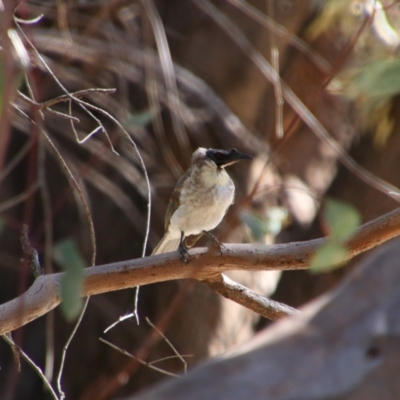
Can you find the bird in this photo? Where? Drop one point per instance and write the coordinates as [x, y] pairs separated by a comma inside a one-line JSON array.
[[200, 200]]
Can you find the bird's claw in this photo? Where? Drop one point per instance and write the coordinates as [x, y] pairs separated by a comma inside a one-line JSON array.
[[220, 246], [215, 242], [185, 256]]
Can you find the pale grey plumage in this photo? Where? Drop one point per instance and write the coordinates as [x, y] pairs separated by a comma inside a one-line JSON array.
[[201, 197]]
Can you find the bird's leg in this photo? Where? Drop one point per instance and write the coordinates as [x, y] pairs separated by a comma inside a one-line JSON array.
[[183, 250], [215, 241]]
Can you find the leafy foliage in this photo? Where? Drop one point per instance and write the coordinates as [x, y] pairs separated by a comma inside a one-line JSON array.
[[381, 78], [372, 87], [370, 78]]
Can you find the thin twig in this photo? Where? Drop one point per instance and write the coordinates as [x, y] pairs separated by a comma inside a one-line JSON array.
[[108, 115], [23, 113], [66, 347], [279, 102], [84, 105], [64, 89], [277, 82], [282, 32], [9, 81], [168, 72], [48, 246], [120, 319], [79, 191], [112, 384], [169, 344], [331, 73], [29, 21], [169, 358], [5, 205], [63, 98], [133, 143], [62, 115], [15, 160], [149, 365], [152, 91], [8, 339], [77, 94], [93, 243]]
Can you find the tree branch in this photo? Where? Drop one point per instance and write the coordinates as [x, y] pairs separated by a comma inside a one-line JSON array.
[[246, 297], [205, 265]]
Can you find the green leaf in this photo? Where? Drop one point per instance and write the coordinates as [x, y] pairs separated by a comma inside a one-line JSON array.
[[328, 256], [378, 79], [139, 119], [260, 226], [255, 224], [275, 220], [342, 219], [67, 255]]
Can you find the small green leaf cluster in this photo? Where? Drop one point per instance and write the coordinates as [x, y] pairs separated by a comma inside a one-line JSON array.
[[342, 220], [67, 255], [271, 223]]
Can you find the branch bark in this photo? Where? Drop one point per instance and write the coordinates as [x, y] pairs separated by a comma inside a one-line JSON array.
[[240, 294], [205, 266]]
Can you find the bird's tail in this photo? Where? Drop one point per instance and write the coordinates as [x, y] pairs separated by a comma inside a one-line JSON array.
[[166, 245]]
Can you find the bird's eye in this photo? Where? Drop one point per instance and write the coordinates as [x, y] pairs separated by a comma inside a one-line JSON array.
[[219, 156]]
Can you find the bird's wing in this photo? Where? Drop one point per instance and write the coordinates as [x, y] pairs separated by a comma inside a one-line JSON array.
[[174, 199], [166, 245]]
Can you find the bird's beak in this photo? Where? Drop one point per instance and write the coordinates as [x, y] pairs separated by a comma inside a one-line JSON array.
[[235, 156]]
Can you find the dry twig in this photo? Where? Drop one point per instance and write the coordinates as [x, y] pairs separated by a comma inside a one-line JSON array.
[[16, 349], [170, 345], [149, 365]]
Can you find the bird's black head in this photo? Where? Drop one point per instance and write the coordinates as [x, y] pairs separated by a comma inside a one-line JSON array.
[[223, 158]]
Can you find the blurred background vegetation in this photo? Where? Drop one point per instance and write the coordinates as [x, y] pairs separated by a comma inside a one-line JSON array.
[[181, 82]]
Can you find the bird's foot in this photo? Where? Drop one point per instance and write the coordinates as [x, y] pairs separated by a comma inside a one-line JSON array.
[[185, 256], [215, 241]]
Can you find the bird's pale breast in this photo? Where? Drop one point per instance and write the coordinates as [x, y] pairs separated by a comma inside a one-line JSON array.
[[204, 199]]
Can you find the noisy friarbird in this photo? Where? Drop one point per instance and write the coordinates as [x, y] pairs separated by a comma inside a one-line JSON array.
[[200, 199]]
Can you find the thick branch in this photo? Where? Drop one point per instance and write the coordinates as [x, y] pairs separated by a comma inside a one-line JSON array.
[[43, 295]]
